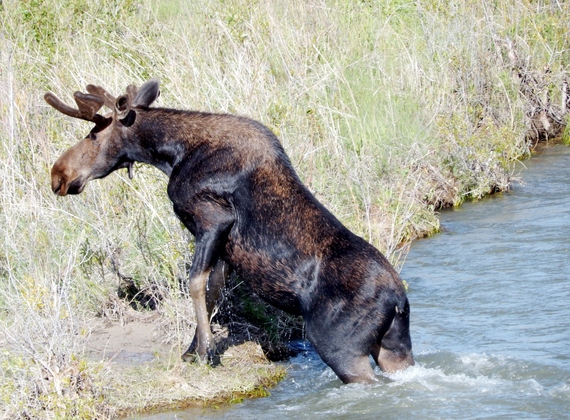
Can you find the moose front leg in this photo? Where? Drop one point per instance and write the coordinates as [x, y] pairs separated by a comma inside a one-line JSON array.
[[216, 283], [210, 224], [205, 346]]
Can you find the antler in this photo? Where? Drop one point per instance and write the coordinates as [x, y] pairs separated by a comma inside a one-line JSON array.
[[109, 100], [132, 91], [87, 104], [90, 103]]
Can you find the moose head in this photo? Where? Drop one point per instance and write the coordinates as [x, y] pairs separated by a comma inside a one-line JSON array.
[[104, 149]]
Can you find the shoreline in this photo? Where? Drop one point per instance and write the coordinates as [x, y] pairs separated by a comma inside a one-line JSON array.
[[136, 362]]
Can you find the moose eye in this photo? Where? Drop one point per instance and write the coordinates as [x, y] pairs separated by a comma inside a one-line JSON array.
[[92, 136]]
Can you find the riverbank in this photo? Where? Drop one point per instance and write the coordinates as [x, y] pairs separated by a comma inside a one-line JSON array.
[[148, 375], [388, 112]]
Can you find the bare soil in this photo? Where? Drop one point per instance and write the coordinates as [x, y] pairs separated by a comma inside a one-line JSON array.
[[132, 341]]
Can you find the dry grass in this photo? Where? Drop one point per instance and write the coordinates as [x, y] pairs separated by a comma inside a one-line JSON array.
[[389, 110]]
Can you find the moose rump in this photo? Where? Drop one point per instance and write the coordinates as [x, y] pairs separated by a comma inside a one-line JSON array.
[[234, 188]]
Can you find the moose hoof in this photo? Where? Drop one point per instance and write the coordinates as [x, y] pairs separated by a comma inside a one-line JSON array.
[[211, 358]]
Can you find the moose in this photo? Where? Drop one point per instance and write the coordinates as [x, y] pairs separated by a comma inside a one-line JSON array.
[[233, 186]]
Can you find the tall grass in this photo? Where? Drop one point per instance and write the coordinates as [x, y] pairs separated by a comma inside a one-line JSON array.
[[389, 110]]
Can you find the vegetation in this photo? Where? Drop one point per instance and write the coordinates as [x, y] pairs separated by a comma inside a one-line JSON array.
[[388, 109]]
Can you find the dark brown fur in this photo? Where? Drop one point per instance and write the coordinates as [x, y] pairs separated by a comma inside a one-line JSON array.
[[234, 188]]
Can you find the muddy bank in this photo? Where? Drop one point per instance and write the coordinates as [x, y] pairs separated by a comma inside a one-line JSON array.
[[144, 373]]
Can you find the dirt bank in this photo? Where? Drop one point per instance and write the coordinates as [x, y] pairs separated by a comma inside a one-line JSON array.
[[145, 372]]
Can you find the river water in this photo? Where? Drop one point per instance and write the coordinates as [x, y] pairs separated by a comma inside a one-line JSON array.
[[490, 299]]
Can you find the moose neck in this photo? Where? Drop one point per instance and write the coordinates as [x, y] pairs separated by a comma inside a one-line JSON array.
[[159, 138]]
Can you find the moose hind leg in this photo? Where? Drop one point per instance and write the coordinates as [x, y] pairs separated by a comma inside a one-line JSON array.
[[393, 351], [351, 368], [342, 350]]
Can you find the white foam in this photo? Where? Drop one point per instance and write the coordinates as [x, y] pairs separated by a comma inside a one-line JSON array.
[[435, 378], [439, 371], [561, 391]]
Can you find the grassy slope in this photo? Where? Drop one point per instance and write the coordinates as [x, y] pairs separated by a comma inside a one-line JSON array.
[[388, 110]]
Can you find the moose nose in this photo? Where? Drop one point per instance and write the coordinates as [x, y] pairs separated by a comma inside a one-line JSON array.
[[56, 184]]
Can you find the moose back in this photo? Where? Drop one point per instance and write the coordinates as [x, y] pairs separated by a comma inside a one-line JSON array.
[[234, 188]]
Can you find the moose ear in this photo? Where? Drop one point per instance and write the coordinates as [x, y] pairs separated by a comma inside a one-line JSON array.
[[122, 106], [147, 93]]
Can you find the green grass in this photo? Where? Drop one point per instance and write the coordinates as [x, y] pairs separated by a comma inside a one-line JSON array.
[[387, 109]]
